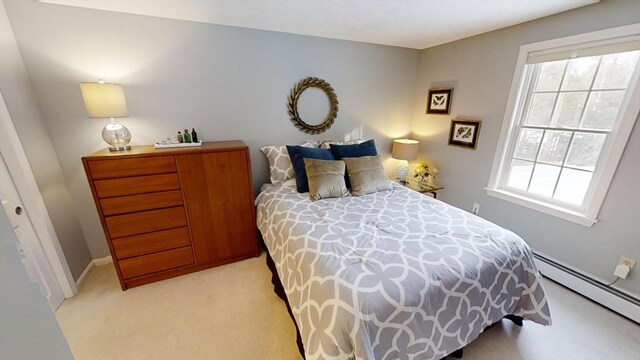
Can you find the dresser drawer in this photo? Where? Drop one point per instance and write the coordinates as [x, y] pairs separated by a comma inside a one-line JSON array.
[[133, 203], [117, 168], [149, 264], [136, 185], [152, 242], [145, 222]]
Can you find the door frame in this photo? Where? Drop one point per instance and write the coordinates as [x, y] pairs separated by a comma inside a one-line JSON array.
[[18, 165], [28, 245]]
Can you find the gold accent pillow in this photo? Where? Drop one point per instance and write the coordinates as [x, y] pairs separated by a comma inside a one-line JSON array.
[[326, 178], [366, 175]]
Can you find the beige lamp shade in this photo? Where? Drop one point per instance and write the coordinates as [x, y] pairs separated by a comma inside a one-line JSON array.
[[405, 149], [104, 100]]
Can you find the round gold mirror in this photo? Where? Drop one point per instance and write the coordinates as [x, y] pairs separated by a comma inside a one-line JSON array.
[[296, 96]]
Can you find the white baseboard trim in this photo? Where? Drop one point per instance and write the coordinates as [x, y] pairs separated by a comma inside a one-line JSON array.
[[92, 265], [85, 274], [103, 261], [589, 289]]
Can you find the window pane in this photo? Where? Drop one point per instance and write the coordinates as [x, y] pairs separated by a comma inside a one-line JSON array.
[[554, 146], [568, 109], [573, 186], [602, 109], [585, 150], [550, 76], [520, 174], [528, 143], [540, 109], [580, 73], [616, 70], [544, 180]]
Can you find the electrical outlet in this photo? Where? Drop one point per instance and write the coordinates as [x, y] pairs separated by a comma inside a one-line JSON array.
[[627, 261], [476, 208]]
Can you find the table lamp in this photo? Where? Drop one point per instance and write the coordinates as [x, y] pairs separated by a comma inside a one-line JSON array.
[[404, 150], [107, 101]]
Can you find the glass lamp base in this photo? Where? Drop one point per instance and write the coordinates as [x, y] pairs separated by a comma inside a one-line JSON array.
[[117, 136], [119, 148]]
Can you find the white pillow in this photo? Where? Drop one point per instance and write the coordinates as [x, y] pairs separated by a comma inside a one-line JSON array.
[[290, 183], [280, 167], [327, 143], [311, 143]]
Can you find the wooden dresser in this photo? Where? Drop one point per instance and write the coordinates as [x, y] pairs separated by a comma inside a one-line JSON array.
[[168, 212]]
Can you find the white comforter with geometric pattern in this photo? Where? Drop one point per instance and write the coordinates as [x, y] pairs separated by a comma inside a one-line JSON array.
[[394, 274]]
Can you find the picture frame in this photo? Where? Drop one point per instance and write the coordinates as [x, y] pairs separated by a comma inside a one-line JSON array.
[[464, 133], [439, 101]]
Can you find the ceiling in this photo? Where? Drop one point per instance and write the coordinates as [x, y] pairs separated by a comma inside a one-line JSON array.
[[416, 24]]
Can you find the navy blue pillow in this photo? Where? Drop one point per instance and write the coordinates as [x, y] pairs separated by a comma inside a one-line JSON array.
[[297, 155], [367, 148]]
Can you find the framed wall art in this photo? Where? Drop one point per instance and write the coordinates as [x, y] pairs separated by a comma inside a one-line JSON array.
[[439, 101], [464, 133], [292, 105]]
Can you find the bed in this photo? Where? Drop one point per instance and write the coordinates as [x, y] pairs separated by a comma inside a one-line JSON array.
[[394, 274]]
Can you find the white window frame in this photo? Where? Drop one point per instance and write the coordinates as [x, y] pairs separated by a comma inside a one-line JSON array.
[[611, 153]]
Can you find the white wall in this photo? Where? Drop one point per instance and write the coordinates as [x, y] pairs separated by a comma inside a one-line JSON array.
[[228, 83], [481, 69], [28, 330], [28, 121]]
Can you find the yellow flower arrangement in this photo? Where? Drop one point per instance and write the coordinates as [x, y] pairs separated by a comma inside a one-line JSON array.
[[425, 171]]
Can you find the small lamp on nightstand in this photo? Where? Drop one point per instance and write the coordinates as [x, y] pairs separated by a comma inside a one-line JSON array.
[[107, 101], [404, 150]]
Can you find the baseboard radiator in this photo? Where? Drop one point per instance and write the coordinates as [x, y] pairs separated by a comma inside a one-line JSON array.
[[619, 301]]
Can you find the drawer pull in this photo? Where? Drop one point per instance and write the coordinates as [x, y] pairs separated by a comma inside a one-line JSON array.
[[145, 222], [136, 245], [133, 203], [109, 169], [136, 185], [149, 264]]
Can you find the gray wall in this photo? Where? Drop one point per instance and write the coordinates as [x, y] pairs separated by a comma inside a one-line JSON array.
[[28, 329], [481, 70], [228, 83], [232, 83], [23, 107]]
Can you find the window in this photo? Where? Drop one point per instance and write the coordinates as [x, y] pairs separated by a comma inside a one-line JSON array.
[[572, 108]]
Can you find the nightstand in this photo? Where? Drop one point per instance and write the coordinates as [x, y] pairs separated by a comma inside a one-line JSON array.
[[423, 188]]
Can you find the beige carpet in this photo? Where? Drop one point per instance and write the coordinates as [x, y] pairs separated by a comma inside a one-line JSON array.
[[231, 312]]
